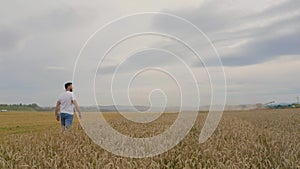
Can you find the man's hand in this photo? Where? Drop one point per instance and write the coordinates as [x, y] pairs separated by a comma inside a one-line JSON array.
[[57, 117], [79, 114]]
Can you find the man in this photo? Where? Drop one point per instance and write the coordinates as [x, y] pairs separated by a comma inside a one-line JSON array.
[[65, 105]]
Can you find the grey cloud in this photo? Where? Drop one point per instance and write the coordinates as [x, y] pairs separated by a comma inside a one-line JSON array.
[[40, 40], [55, 19], [261, 51], [282, 8], [43, 44], [148, 58], [9, 39], [15, 35], [209, 18], [35, 36], [265, 40]]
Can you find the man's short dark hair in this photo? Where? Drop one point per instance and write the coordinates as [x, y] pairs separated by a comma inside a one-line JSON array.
[[67, 85]]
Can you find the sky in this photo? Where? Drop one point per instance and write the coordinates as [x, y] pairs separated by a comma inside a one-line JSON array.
[[257, 42]]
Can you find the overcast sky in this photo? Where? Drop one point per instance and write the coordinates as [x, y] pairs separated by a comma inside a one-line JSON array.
[[258, 43]]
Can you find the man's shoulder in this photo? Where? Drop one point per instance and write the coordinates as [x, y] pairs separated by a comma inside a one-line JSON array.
[[66, 93]]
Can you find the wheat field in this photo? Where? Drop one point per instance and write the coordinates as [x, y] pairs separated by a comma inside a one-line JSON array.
[[243, 139]]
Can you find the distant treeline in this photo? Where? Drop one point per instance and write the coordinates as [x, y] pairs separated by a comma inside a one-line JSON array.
[[24, 107], [36, 107]]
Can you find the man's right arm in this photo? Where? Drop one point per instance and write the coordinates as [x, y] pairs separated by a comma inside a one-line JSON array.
[[57, 110]]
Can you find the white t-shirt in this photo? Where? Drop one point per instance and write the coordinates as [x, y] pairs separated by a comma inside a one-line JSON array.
[[66, 104]]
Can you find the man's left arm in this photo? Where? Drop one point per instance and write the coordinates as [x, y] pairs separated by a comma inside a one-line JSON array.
[[77, 108]]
